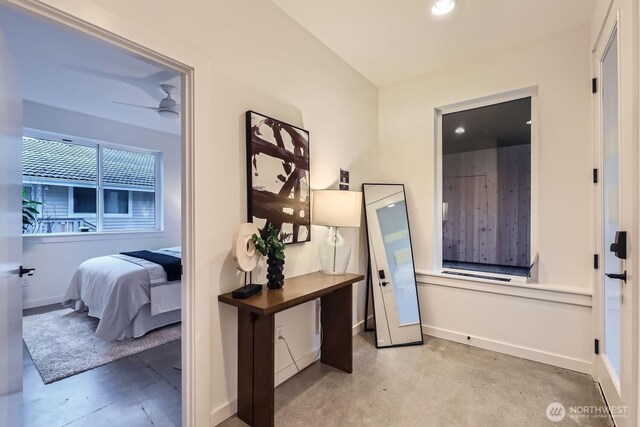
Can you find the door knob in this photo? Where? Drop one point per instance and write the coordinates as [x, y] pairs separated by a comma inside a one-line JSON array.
[[384, 283], [618, 276], [28, 271]]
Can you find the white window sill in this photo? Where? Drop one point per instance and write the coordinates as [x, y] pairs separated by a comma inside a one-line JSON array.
[[555, 293], [513, 280], [92, 236]]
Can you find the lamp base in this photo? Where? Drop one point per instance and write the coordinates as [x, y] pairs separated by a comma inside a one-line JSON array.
[[334, 253], [246, 291]]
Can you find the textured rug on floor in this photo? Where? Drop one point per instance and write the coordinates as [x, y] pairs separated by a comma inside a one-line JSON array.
[[63, 343]]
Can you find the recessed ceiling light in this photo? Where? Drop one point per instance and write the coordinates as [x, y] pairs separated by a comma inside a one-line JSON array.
[[442, 7], [459, 130], [529, 122]]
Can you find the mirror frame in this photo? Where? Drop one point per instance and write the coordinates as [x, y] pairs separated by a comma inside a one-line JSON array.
[[370, 272]]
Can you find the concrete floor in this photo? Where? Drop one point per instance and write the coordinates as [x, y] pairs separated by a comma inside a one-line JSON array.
[[136, 391], [439, 384]]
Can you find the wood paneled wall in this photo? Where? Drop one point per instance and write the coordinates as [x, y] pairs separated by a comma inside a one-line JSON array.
[[487, 194]]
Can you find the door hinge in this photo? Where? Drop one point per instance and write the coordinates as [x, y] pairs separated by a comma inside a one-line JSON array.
[[596, 261], [596, 346], [594, 85], [595, 175]]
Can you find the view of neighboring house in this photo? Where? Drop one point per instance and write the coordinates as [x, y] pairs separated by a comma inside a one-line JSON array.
[[87, 188]]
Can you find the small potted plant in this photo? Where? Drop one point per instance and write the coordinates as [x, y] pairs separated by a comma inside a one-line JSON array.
[[272, 246], [29, 212]]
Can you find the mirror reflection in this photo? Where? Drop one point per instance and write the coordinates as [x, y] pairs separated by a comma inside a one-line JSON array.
[[395, 298]]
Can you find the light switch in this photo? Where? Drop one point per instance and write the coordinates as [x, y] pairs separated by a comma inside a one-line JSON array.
[[344, 179]]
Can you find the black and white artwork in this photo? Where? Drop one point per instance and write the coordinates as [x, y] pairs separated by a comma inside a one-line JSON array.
[[278, 177]]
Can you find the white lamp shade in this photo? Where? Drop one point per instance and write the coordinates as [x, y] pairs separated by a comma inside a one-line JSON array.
[[337, 208]]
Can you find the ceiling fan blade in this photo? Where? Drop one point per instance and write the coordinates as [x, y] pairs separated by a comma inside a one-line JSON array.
[[135, 105]]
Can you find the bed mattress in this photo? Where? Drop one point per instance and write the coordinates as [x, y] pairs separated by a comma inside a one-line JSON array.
[[120, 294]]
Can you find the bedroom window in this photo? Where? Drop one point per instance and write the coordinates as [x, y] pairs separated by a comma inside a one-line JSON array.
[[486, 188], [91, 187]]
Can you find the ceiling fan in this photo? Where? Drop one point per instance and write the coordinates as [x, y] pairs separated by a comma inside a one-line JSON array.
[[168, 107]]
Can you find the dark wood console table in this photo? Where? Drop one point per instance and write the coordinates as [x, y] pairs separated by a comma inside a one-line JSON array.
[[256, 340]]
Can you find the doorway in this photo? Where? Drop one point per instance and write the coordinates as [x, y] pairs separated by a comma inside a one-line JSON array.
[[10, 241]]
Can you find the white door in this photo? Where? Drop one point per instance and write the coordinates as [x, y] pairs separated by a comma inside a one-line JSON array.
[[393, 271], [10, 242], [613, 295]]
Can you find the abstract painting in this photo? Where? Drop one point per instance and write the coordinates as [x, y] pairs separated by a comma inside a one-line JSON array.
[[278, 192]]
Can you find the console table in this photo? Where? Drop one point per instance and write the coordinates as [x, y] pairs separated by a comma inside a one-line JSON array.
[[256, 335]]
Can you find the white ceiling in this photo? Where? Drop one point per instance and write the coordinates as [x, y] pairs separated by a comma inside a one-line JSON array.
[[74, 72], [391, 40]]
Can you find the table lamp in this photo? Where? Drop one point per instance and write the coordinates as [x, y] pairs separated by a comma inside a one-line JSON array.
[[335, 209]]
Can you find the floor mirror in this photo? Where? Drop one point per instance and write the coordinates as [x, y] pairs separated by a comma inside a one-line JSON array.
[[392, 276]]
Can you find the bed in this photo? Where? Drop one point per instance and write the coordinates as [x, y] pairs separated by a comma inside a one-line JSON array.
[[130, 296]]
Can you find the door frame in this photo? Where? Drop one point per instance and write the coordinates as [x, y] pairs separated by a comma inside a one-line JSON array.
[[619, 16], [95, 22]]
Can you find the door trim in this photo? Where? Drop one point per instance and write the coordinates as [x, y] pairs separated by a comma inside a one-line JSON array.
[[126, 35]]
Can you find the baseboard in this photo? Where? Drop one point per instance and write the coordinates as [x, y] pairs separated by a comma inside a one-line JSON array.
[[359, 327], [512, 349], [43, 301], [223, 412]]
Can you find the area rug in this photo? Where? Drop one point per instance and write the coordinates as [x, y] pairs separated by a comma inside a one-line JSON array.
[[63, 343]]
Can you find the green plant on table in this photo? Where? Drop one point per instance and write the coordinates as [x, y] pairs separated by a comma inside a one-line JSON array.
[[272, 244]]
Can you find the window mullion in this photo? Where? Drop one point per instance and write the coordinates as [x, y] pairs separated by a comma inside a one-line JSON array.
[[100, 192]]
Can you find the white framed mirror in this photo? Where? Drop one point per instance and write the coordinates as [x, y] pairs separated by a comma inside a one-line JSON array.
[[396, 307]]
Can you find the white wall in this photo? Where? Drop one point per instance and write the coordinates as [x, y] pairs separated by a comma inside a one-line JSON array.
[[560, 68], [56, 258], [250, 55]]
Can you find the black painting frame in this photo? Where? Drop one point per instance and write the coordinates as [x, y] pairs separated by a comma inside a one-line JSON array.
[[251, 203], [371, 273]]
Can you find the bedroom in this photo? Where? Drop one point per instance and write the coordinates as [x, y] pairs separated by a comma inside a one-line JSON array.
[[100, 176]]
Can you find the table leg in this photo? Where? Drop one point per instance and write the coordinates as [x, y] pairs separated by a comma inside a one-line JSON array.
[[245, 366], [263, 370], [336, 317], [255, 368]]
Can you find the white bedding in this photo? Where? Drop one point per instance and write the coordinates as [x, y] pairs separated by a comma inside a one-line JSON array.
[[115, 290]]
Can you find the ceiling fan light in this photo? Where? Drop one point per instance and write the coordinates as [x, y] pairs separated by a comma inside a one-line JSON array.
[[168, 114]]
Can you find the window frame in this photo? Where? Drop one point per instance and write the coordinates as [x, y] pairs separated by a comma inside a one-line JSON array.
[[100, 187], [484, 101]]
